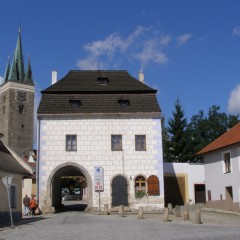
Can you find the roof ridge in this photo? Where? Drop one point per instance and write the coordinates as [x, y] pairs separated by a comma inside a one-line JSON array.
[[231, 136]]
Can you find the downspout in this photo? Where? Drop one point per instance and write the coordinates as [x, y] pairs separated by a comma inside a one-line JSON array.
[[38, 158]]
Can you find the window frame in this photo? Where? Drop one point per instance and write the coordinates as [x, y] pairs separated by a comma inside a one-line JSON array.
[[116, 144], [72, 147], [227, 163], [140, 184], [140, 144]]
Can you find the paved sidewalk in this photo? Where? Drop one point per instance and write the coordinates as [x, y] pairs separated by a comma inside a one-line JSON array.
[[79, 225]]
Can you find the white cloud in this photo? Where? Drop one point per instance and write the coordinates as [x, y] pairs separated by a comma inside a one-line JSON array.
[[236, 31], [234, 101], [182, 39], [143, 44], [90, 63], [152, 51]]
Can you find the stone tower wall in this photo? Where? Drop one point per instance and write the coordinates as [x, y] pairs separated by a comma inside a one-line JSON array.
[[16, 116]]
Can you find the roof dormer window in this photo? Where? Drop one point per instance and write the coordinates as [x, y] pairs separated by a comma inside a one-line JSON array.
[[124, 103], [103, 80], [75, 104]]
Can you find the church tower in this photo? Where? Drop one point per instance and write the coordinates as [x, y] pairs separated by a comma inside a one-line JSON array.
[[17, 103]]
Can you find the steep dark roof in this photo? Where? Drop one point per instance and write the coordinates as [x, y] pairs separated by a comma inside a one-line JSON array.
[[8, 163], [87, 82], [84, 87], [232, 136]]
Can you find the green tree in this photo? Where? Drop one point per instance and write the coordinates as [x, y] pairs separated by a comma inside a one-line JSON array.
[[205, 129], [177, 144]]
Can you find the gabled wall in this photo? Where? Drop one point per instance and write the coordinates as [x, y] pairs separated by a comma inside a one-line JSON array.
[[217, 180]]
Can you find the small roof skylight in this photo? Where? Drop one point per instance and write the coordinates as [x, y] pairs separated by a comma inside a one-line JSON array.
[[103, 80], [75, 104], [124, 102]]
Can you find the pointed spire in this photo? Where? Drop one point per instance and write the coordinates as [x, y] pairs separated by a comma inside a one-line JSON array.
[[28, 75], [13, 70], [7, 71], [19, 57], [17, 68]]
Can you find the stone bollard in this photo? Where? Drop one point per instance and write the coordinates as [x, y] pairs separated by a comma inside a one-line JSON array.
[[186, 213], [170, 208], [121, 211], [140, 213], [105, 209], [177, 211], [198, 216], [166, 215]]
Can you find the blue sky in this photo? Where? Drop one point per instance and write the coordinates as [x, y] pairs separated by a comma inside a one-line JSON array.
[[187, 48]]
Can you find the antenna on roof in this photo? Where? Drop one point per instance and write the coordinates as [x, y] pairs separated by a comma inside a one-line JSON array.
[[98, 65]]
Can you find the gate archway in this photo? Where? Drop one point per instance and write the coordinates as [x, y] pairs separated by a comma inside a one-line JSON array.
[[119, 191], [56, 178]]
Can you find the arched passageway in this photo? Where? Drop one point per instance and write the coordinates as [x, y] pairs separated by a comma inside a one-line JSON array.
[[70, 188]]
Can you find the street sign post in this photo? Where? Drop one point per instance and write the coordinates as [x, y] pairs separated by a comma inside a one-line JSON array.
[[98, 182], [7, 180], [98, 179]]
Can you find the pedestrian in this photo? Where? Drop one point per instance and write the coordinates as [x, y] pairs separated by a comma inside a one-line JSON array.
[[33, 205], [26, 203]]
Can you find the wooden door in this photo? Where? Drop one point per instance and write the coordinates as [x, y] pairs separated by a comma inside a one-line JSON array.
[[119, 191]]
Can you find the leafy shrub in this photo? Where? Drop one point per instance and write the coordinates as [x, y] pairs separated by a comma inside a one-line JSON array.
[[140, 194]]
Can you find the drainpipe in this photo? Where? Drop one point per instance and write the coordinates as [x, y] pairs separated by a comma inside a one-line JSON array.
[[38, 158]]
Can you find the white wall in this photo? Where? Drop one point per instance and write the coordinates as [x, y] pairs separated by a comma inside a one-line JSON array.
[[194, 171], [94, 149], [216, 179]]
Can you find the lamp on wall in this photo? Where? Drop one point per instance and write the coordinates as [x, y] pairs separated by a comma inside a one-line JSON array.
[[130, 177]]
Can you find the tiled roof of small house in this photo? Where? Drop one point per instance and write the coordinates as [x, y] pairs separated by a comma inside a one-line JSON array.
[[9, 163], [232, 136], [94, 96]]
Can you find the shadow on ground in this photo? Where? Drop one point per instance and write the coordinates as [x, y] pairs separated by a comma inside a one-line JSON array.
[[72, 207], [25, 220]]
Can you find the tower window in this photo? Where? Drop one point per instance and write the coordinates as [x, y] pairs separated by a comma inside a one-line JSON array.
[[22, 96], [20, 108]]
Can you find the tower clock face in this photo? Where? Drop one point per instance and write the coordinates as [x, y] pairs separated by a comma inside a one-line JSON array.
[[22, 96]]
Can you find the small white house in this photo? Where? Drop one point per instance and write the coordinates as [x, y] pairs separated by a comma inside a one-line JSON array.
[[222, 170], [14, 168], [104, 128], [184, 183]]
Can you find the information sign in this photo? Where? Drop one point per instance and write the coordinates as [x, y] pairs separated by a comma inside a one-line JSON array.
[[98, 179]]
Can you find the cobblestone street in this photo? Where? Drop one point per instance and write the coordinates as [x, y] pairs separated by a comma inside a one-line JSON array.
[[79, 225]]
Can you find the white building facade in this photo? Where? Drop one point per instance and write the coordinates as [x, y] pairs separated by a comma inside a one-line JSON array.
[[112, 123], [222, 170], [190, 179]]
